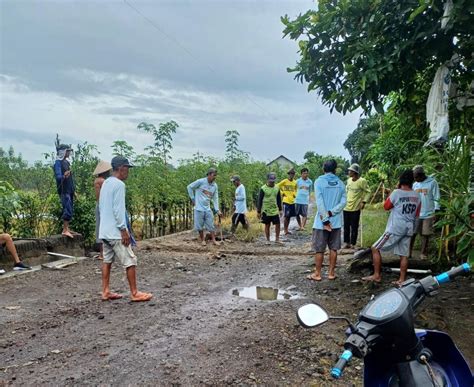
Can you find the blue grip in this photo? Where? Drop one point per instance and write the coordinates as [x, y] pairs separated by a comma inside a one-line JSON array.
[[448, 275], [336, 371]]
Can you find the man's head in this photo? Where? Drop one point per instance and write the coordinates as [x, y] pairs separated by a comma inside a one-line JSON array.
[[419, 173], [304, 173], [63, 151], [235, 180], [330, 166], [120, 167], [271, 178], [291, 174], [354, 170], [406, 178], [211, 175]]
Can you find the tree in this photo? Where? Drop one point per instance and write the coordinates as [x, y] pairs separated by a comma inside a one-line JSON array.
[[122, 148], [163, 144], [232, 151], [361, 139], [355, 53]]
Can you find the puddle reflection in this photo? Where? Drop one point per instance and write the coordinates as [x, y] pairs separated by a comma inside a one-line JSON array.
[[265, 293]]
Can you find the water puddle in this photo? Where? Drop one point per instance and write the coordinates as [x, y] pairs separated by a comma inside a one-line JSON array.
[[265, 294]]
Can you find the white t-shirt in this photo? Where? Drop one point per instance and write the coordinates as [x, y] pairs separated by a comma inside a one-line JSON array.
[[405, 208], [240, 200]]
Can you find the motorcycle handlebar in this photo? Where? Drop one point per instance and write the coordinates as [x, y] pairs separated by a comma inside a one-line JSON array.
[[336, 371], [454, 272]]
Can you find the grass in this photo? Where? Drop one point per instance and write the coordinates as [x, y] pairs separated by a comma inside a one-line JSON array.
[[372, 225], [254, 231]]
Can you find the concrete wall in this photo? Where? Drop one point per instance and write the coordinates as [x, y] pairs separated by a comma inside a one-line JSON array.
[[31, 249]]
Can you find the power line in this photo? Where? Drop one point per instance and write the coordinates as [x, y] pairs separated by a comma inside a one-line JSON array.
[[184, 48]]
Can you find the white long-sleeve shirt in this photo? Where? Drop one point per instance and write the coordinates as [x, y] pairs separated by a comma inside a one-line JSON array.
[[112, 209]]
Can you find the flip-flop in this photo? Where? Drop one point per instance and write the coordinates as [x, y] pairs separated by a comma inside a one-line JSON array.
[[312, 278], [142, 297], [67, 234], [396, 283], [332, 278], [112, 296]]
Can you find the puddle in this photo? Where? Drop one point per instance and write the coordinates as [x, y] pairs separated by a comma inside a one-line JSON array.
[[265, 294]]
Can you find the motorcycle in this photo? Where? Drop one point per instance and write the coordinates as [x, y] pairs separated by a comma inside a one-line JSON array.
[[394, 352]]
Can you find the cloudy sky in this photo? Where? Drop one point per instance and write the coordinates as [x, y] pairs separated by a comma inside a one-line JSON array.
[[93, 70]]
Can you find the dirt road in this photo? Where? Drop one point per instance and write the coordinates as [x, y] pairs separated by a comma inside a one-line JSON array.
[[55, 330]]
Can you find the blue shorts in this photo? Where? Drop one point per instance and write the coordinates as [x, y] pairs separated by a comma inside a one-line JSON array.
[[203, 220], [67, 202]]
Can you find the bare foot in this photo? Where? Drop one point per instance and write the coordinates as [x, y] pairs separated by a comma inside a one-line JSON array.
[[287, 233], [140, 297], [215, 243], [203, 243], [279, 242], [111, 296], [398, 283], [327, 227], [332, 277], [314, 277], [372, 278], [68, 234]]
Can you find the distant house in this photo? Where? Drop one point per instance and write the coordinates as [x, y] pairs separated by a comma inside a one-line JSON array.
[[282, 162]]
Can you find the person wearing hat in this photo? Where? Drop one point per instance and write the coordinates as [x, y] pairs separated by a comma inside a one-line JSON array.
[[240, 205], [269, 207], [330, 199], [65, 186], [357, 191], [202, 192], [428, 189], [101, 172], [288, 188], [114, 233]]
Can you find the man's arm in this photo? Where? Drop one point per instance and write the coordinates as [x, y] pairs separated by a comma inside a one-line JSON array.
[[436, 195], [261, 195], [342, 203], [215, 200], [118, 207], [388, 205], [320, 201], [57, 171], [192, 188], [280, 207]]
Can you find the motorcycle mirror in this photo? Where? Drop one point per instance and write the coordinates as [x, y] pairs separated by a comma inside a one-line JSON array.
[[312, 315]]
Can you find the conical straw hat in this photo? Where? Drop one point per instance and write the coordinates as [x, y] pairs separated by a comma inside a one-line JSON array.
[[102, 167]]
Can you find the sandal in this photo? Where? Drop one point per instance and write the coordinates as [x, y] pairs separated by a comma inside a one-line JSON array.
[[141, 297], [312, 277]]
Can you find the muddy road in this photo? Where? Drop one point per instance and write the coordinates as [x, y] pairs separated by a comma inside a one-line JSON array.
[[56, 330]]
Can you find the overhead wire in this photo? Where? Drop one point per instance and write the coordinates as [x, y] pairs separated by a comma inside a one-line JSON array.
[[185, 49]]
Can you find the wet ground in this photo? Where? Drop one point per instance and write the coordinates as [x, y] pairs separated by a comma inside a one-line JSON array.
[[196, 330]]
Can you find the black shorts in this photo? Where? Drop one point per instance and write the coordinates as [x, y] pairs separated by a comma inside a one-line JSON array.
[[274, 219], [239, 218], [289, 210]]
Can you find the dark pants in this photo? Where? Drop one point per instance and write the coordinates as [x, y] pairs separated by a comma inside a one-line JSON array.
[[351, 226], [67, 202]]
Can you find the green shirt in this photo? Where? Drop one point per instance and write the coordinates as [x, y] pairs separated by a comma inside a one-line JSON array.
[[357, 192], [270, 200]]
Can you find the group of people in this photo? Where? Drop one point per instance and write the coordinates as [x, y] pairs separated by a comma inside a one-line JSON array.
[[412, 207]]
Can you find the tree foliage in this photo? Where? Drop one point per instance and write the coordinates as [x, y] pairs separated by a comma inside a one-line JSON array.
[[355, 53], [163, 139]]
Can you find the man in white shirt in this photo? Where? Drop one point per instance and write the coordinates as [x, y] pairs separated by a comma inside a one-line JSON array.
[[240, 205], [114, 232]]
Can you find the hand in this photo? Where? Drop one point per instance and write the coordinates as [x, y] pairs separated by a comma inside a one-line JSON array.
[[125, 237], [219, 214], [281, 214], [67, 174], [259, 215], [362, 206], [194, 202]]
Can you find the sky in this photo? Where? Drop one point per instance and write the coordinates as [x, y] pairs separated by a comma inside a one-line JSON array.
[[93, 70]]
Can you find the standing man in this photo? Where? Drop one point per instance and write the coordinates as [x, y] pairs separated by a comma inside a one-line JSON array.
[[304, 186], [240, 205], [288, 193], [330, 200], [114, 233], [428, 189], [357, 191], [201, 192], [269, 207], [65, 186], [404, 206]]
